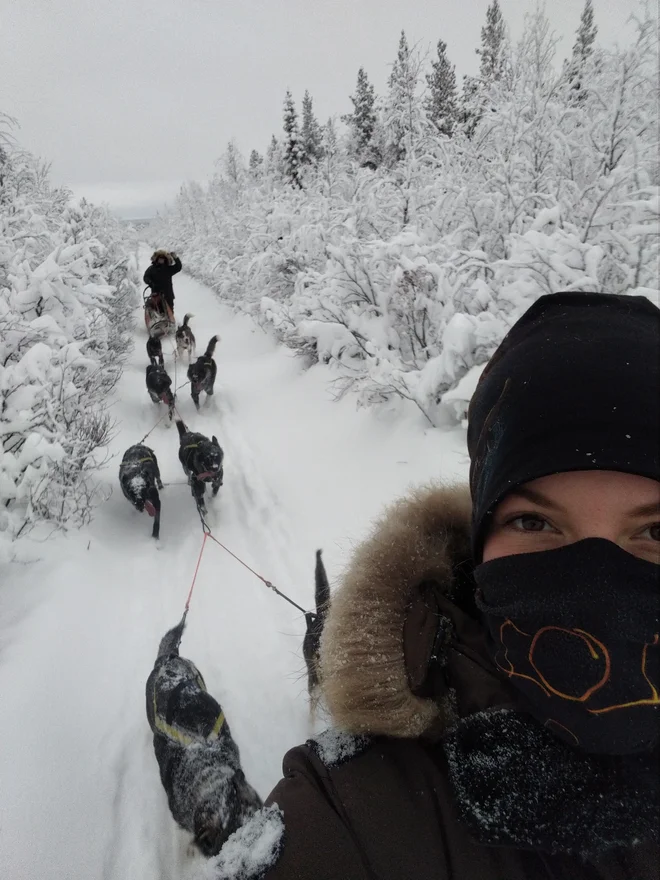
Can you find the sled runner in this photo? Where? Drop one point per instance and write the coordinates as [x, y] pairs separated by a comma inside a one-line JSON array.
[[158, 317]]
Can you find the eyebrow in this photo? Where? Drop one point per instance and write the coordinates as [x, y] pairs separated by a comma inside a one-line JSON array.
[[536, 497], [543, 501], [645, 509]]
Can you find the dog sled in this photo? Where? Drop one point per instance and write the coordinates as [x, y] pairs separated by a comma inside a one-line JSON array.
[[158, 316]]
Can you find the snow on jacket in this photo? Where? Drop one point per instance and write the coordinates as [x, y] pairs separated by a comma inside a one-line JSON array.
[[436, 774], [158, 276]]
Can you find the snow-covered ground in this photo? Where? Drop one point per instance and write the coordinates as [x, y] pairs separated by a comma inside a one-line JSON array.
[[81, 798]]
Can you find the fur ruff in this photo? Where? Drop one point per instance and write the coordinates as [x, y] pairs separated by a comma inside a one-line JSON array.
[[365, 681]]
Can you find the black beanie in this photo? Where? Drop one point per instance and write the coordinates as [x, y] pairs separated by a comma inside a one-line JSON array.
[[575, 385]]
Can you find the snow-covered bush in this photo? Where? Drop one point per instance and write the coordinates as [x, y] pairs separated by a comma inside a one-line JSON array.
[[67, 292], [405, 275]]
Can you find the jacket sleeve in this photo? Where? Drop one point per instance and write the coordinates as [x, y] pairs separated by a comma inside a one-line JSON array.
[[318, 842], [176, 266], [300, 834], [147, 276]]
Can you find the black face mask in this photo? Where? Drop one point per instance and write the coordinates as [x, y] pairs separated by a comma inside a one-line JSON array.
[[577, 630]]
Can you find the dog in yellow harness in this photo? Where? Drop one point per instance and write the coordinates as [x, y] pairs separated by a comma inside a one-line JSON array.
[[202, 461], [139, 478], [198, 759]]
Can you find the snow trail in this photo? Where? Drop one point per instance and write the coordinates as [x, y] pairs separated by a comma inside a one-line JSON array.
[[79, 629]]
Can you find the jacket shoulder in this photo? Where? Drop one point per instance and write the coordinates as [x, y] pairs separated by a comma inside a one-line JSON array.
[[360, 808]]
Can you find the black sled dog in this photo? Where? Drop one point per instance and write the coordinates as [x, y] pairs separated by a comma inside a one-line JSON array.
[[159, 386], [155, 351], [203, 372], [185, 339], [202, 461], [315, 622], [139, 477], [199, 761]]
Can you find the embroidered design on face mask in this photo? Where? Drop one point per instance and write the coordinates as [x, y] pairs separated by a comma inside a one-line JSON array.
[[597, 666]]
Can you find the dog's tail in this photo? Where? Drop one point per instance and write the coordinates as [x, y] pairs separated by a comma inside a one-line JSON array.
[[321, 586], [186, 318], [181, 428], [315, 622], [170, 642], [210, 348]]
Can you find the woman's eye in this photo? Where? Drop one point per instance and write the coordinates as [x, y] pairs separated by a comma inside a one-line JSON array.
[[530, 522], [651, 532]]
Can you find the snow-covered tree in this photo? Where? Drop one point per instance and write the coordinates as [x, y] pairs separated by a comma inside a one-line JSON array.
[[294, 153], [68, 288], [493, 67], [311, 133], [274, 162], [493, 46], [586, 35], [363, 120], [583, 48], [441, 101], [333, 165], [233, 165], [403, 115], [256, 163]]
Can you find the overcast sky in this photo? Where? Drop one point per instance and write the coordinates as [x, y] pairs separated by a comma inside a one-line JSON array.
[[128, 98]]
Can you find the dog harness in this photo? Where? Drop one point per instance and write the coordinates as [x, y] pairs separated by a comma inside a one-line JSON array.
[[184, 737], [126, 464], [205, 475]]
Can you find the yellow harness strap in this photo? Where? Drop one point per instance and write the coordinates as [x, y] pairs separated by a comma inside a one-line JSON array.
[[191, 446], [181, 736], [126, 464]]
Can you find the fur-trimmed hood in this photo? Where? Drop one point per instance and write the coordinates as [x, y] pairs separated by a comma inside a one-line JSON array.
[[161, 252], [403, 613]]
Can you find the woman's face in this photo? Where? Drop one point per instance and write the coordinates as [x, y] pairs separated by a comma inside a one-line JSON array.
[[553, 511]]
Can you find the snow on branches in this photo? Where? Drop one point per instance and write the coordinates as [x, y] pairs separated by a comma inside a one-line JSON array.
[[404, 272], [67, 288]]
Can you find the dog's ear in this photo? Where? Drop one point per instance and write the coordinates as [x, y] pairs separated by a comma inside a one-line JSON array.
[[215, 440]]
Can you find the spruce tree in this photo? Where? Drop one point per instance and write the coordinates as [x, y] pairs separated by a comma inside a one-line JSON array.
[[331, 158], [493, 46], [582, 49], [493, 66], [273, 163], [272, 150], [586, 35], [441, 105], [330, 139], [403, 111], [294, 153], [233, 163], [311, 131], [363, 119], [256, 163]]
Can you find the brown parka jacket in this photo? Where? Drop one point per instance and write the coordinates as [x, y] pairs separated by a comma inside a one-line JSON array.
[[432, 772]]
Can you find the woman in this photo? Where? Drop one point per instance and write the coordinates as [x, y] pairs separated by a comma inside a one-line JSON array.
[[494, 664], [158, 276]]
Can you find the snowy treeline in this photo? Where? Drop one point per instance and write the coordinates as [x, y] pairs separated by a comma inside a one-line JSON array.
[[67, 289], [399, 243]]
